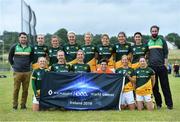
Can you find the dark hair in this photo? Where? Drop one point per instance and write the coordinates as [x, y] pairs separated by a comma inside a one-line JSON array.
[[154, 26], [22, 33], [122, 33], [137, 33], [104, 60], [104, 35]]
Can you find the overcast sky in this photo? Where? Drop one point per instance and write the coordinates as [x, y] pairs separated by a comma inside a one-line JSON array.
[[96, 16]]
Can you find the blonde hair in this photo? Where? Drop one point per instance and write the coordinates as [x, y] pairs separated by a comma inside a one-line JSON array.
[[124, 56], [55, 36], [88, 33], [80, 51], [71, 32], [42, 58]]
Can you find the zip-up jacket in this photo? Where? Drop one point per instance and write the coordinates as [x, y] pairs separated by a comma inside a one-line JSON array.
[[158, 51], [20, 58]]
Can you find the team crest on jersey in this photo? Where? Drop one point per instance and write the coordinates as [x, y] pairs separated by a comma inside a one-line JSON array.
[[134, 49], [67, 48], [110, 48], [143, 48], [137, 72], [92, 48], [129, 72], [75, 67], [126, 46], [45, 48], [38, 73], [35, 48], [85, 68], [83, 48], [50, 51], [147, 71], [66, 67], [57, 67], [117, 46], [100, 48], [77, 48]]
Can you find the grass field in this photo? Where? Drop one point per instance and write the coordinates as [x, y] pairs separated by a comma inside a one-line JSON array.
[[7, 114]]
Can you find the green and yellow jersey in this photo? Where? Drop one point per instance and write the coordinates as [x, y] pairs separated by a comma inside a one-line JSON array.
[[137, 52], [81, 68], [120, 50], [53, 54], [61, 68], [143, 81], [106, 52], [39, 51], [37, 76], [89, 56], [128, 86], [70, 53]]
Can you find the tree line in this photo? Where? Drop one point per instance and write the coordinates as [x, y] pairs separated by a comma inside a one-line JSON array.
[[10, 38]]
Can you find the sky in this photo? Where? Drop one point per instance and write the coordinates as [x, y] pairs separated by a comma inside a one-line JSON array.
[[95, 16]]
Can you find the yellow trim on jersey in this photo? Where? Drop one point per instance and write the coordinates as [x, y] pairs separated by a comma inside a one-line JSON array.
[[128, 87], [36, 66], [151, 47], [92, 64], [111, 63], [135, 65], [33, 78], [145, 89], [72, 62], [22, 53]]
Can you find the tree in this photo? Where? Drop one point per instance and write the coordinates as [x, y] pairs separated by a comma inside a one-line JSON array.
[[62, 33], [174, 38]]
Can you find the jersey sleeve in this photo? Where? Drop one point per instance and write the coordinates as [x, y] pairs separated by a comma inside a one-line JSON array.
[[34, 75]]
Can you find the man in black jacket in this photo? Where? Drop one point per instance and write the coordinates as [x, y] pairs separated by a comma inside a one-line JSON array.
[[158, 61], [20, 57]]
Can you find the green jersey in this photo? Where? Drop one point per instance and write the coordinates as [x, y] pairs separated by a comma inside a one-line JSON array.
[[121, 49], [39, 51], [127, 85], [53, 55], [89, 51], [70, 52], [81, 68], [143, 80], [104, 52], [60, 68], [37, 76], [138, 51]]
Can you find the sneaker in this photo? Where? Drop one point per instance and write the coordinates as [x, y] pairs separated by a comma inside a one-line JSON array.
[[23, 107], [14, 107], [159, 107], [169, 107]]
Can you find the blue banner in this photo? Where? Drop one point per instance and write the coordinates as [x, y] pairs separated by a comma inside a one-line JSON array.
[[81, 91]]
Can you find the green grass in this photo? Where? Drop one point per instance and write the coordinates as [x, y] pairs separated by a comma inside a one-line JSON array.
[[7, 114]]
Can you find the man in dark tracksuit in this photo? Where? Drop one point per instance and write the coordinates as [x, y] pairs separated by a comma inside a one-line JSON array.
[[20, 57], [158, 54]]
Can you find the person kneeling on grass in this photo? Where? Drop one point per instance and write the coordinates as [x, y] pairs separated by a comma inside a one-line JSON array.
[[127, 98], [104, 67], [145, 80], [36, 81]]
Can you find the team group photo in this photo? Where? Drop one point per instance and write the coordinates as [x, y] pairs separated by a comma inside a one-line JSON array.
[[96, 77]]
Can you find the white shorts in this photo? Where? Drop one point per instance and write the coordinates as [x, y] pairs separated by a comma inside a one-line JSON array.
[[145, 98], [127, 98], [35, 100]]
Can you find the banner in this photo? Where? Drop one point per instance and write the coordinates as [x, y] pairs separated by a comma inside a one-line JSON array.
[[81, 91]]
